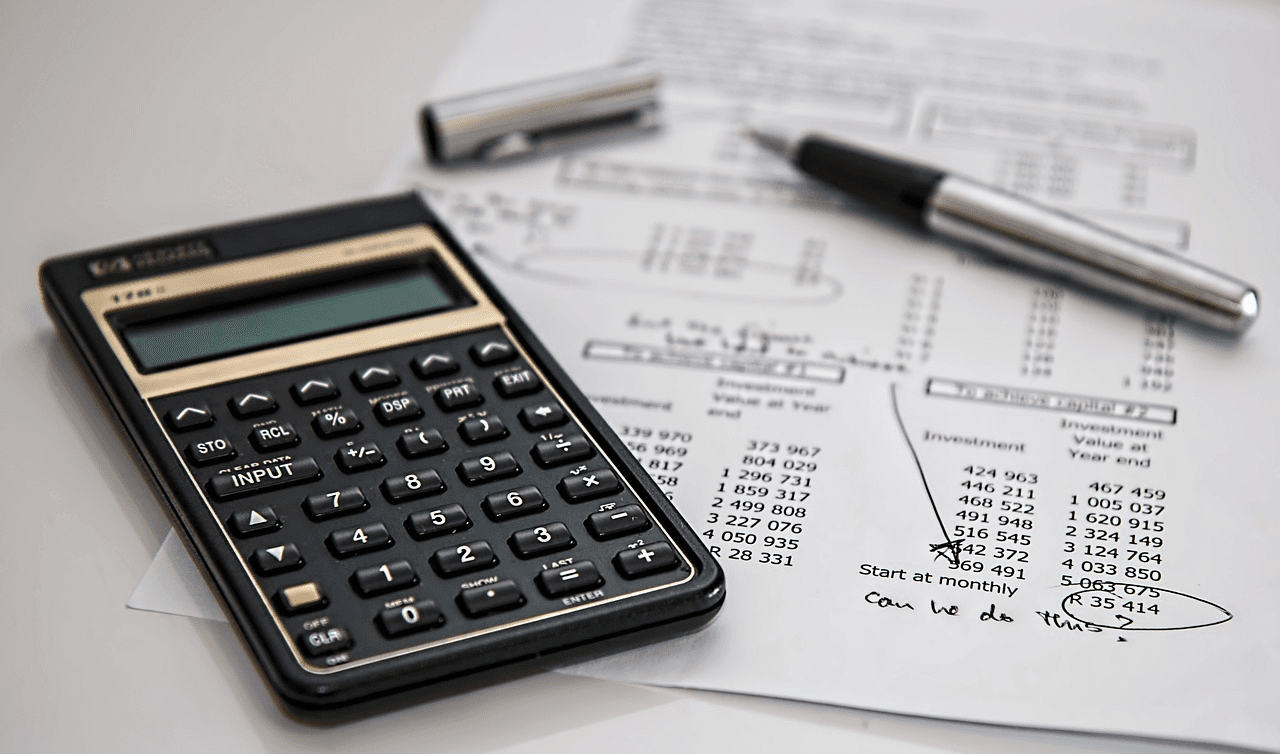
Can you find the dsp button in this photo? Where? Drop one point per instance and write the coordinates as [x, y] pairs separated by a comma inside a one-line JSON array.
[[211, 450], [617, 522], [588, 485], [324, 641], [274, 436], [635, 562], [521, 382], [577, 577], [564, 449], [395, 410], [462, 395], [253, 403], [188, 417], [249, 481]]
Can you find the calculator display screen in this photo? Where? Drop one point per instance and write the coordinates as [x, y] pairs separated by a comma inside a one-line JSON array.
[[247, 325]]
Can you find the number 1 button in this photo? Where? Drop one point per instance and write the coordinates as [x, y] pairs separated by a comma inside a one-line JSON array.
[[384, 578]]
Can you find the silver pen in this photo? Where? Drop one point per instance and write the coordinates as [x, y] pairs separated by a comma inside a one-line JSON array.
[[1021, 231]]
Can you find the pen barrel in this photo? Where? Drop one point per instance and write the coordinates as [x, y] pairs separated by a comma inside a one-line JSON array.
[[1029, 234]]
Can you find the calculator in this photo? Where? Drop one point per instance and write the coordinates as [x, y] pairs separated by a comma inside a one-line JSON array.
[[387, 479]]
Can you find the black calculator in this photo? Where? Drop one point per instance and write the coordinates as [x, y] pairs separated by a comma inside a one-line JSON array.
[[386, 477]]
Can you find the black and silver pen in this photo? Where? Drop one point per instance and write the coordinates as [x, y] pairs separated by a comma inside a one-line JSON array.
[[1022, 231]]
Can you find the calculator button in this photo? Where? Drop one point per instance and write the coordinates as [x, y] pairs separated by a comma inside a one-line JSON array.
[[562, 450], [589, 484], [540, 540], [464, 558], [335, 503], [314, 390], [396, 410], [486, 468], [336, 423], [251, 523], [211, 450], [253, 403], [300, 597], [265, 477], [190, 417], [324, 641], [375, 377], [384, 578], [518, 502], [568, 579], [437, 522], [482, 429], [434, 364], [355, 458], [411, 618], [501, 595], [618, 521], [412, 486], [542, 415], [276, 559], [462, 395], [273, 436], [512, 384], [492, 352], [424, 442], [635, 562], [358, 539]]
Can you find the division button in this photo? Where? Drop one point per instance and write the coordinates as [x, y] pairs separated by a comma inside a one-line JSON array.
[[411, 486], [447, 519], [211, 450], [480, 429], [253, 522], [518, 502], [300, 597], [635, 562], [276, 559], [618, 521], [190, 416], [358, 539], [542, 415], [461, 395], [492, 352], [396, 410], [480, 600], [375, 377], [314, 390], [539, 540], [274, 436], [252, 403], [430, 365], [521, 382], [265, 477], [353, 458], [324, 641], [589, 484], [335, 503], [407, 619], [472, 556], [577, 577], [384, 578], [485, 468], [419, 443], [336, 423], [564, 449]]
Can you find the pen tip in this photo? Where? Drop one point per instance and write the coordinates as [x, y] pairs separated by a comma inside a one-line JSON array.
[[773, 140]]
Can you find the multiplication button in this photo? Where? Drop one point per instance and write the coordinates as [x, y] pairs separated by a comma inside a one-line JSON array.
[[589, 484]]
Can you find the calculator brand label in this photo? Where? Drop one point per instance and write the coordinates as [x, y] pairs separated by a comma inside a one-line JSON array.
[[151, 259]]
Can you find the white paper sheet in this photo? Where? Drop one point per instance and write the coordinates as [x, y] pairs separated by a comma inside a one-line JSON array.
[[938, 486]]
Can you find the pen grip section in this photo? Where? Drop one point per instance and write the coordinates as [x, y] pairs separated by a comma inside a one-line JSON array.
[[895, 186]]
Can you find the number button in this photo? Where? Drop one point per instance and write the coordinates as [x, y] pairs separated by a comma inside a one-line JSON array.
[[520, 382], [437, 522], [336, 503], [336, 423], [540, 540], [372, 378], [253, 403], [396, 410], [421, 443], [569, 579], [618, 521], [472, 556], [398, 489], [462, 395], [346, 542], [355, 458], [486, 468], [512, 503], [211, 450], [276, 559], [384, 578], [489, 598], [274, 435], [411, 618], [565, 449], [588, 485], [480, 429]]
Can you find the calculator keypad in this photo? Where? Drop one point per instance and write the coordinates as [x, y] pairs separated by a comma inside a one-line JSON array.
[[443, 490]]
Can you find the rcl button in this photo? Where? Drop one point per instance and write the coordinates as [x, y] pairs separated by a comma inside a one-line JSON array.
[[326, 641], [273, 436]]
